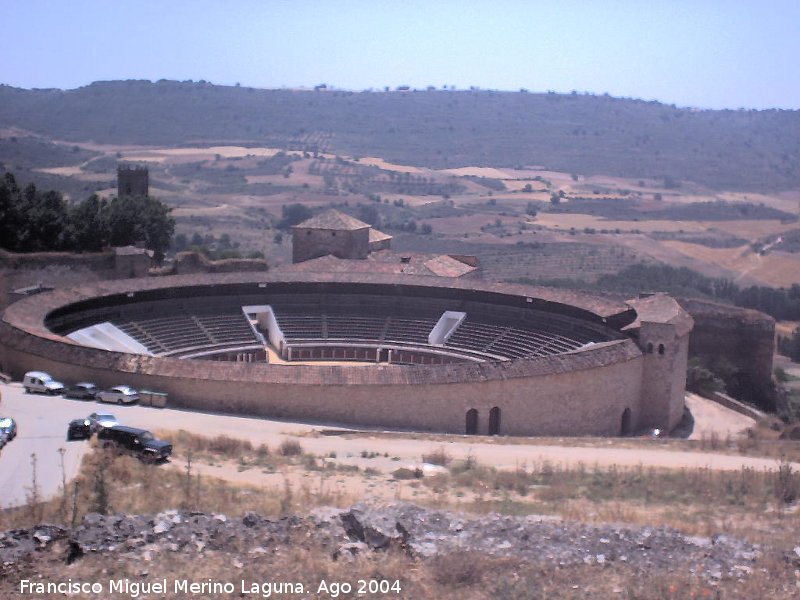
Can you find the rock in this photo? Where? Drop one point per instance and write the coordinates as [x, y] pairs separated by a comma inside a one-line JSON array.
[[251, 519], [700, 542], [350, 550], [365, 528], [162, 527]]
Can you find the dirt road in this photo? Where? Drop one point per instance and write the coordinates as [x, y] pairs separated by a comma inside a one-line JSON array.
[[43, 421]]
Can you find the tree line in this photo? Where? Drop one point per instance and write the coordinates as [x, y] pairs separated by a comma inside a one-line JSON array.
[[32, 220]]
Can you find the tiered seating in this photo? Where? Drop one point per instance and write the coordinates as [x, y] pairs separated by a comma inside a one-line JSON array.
[[492, 336], [406, 329], [188, 333], [337, 323], [355, 327], [309, 327]]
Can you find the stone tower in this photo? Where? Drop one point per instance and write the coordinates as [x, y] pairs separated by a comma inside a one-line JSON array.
[[663, 337], [132, 181]]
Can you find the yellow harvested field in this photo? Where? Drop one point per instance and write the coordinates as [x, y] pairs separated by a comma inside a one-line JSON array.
[[517, 185], [201, 210], [778, 201], [753, 230], [63, 171], [198, 152], [772, 269], [567, 221], [489, 172], [411, 200], [779, 269], [276, 179], [468, 223], [738, 259], [786, 328], [387, 166]]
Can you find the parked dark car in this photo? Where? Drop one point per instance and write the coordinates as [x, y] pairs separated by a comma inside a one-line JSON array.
[[79, 429], [138, 442], [8, 427], [82, 391]]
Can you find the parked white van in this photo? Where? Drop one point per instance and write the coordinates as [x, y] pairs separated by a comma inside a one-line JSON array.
[[41, 383]]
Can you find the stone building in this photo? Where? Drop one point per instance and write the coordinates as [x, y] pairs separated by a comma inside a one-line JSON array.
[[132, 181], [335, 233]]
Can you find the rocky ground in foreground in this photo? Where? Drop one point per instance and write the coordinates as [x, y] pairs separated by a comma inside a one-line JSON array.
[[363, 529]]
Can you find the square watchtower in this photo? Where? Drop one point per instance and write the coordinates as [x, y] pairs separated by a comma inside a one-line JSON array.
[[132, 181]]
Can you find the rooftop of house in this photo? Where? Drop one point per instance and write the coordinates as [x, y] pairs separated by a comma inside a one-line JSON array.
[[332, 219], [388, 262]]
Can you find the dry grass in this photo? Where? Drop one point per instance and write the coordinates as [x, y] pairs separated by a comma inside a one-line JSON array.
[[112, 483], [756, 505]]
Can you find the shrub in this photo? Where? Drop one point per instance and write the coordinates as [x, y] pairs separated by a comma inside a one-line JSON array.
[[406, 473], [290, 447], [437, 457]]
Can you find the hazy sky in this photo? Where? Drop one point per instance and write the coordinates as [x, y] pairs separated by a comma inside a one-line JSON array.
[[705, 53]]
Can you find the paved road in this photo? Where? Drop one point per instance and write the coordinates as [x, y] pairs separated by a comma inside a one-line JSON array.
[[42, 431], [43, 421]]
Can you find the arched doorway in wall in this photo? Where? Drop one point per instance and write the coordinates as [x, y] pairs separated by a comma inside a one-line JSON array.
[[494, 421], [625, 427], [472, 421]]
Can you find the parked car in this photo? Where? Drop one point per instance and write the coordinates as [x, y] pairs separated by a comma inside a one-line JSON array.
[[98, 420], [79, 429], [82, 391], [137, 442], [8, 427], [122, 394], [41, 383]]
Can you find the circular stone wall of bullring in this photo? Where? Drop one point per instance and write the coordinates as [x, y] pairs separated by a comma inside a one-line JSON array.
[[583, 390]]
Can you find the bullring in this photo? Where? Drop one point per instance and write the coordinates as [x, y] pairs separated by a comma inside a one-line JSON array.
[[524, 360]]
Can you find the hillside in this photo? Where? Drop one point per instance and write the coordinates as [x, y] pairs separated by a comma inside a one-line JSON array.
[[582, 134]]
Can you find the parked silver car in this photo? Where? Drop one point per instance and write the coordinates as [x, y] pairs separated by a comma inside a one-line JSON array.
[[121, 394], [98, 420]]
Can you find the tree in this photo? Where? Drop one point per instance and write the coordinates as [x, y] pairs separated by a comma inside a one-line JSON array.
[[9, 226], [369, 214], [790, 346], [40, 219], [531, 209], [701, 380], [140, 218], [87, 227], [293, 214], [555, 198]]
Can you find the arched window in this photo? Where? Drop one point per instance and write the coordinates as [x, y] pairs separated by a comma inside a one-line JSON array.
[[494, 421], [661, 348], [472, 421], [649, 347]]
